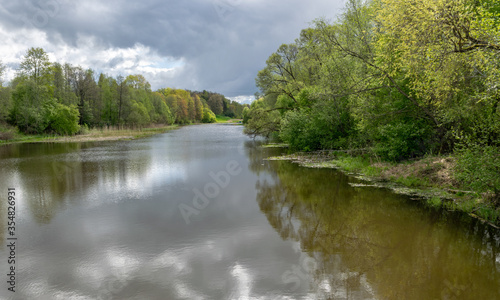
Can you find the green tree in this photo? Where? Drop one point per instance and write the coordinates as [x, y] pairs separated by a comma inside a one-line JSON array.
[[198, 106], [261, 120], [216, 103], [32, 95], [162, 113], [5, 103], [5, 97], [208, 116], [64, 119], [2, 71], [138, 115], [36, 66], [447, 50], [108, 89], [122, 97], [31, 107]]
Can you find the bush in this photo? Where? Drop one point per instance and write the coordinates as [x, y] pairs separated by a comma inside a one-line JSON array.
[[324, 126], [64, 119], [31, 108], [403, 140], [208, 116], [478, 167], [7, 135], [294, 131]]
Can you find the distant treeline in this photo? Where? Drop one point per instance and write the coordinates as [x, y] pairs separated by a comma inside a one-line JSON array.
[[47, 97]]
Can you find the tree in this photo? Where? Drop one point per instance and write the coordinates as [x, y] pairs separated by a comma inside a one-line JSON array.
[[215, 102], [261, 120], [281, 74], [122, 93], [198, 106], [2, 71], [85, 87], [5, 103], [191, 109], [448, 52], [32, 95], [162, 112], [31, 107], [64, 119], [35, 66], [108, 93], [182, 116], [5, 97], [138, 115], [208, 116], [62, 84]]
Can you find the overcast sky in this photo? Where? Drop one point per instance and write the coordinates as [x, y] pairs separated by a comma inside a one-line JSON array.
[[216, 45]]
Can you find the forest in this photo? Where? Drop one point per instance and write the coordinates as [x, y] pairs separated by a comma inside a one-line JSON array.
[[51, 98], [397, 79]]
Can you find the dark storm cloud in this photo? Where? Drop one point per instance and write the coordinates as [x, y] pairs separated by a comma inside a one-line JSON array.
[[223, 43]]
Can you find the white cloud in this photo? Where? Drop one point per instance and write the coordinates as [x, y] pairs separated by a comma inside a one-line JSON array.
[[88, 53], [216, 45], [244, 99]]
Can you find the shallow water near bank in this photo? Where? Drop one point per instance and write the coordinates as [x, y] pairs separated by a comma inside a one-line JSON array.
[[198, 213]]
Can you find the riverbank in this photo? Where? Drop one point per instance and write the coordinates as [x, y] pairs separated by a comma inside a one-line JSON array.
[[429, 179], [228, 120], [91, 135]]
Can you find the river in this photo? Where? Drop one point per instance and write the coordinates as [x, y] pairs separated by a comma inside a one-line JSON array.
[[198, 213]]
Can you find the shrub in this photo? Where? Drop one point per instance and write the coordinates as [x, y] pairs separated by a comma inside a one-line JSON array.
[[326, 125], [398, 141], [8, 135], [64, 119], [478, 167], [208, 116]]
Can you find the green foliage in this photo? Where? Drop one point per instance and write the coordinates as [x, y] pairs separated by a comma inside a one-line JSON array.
[[402, 140], [261, 120], [64, 119], [43, 96], [35, 66], [478, 167], [398, 77], [208, 116], [5, 103], [296, 131], [31, 107], [326, 125], [139, 114], [352, 163], [246, 115]]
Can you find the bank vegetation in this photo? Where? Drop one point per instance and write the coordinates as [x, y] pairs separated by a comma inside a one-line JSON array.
[[398, 81]]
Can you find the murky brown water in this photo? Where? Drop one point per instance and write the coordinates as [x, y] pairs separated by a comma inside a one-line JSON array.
[[197, 213]]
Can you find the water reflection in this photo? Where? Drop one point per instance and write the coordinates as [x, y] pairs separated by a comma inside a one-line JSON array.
[[50, 175], [102, 221], [368, 242]]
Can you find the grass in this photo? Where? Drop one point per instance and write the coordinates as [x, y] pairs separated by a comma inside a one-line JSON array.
[[89, 135], [227, 120]]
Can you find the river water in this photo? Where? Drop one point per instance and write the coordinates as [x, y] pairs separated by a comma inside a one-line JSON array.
[[198, 213]]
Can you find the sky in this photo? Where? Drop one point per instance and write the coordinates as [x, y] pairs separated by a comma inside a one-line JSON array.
[[214, 45]]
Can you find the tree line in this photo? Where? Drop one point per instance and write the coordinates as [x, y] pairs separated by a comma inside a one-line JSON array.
[[400, 78], [47, 97]]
